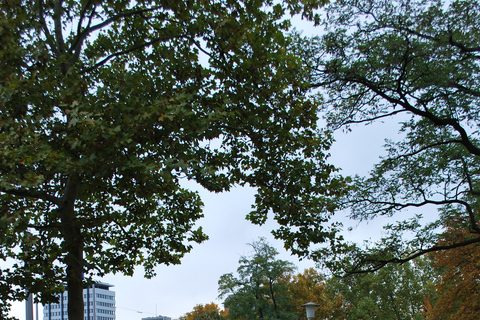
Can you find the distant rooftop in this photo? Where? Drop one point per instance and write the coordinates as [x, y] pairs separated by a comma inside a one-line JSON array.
[[157, 318], [103, 285]]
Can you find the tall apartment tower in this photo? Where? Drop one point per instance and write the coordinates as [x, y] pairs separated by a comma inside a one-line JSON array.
[[98, 299]]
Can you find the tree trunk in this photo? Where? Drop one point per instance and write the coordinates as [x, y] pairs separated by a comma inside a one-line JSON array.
[[272, 294], [73, 246]]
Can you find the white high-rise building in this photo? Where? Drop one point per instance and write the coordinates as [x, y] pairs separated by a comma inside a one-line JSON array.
[[98, 299]]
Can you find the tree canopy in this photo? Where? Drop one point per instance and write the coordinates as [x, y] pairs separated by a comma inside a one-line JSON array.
[[107, 105], [395, 292], [209, 311], [260, 290], [458, 285], [312, 286], [267, 288], [416, 62]]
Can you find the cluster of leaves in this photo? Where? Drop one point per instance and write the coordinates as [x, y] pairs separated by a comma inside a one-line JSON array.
[[417, 62]]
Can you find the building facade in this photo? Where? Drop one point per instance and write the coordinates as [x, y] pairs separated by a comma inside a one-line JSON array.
[[98, 299], [157, 318]]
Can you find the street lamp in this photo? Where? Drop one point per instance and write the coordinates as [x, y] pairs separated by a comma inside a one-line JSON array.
[[310, 308]]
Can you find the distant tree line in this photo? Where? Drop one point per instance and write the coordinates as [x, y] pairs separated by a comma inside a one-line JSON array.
[[441, 286]]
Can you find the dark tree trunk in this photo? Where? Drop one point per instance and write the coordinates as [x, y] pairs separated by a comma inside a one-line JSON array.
[[272, 294], [73, 246]]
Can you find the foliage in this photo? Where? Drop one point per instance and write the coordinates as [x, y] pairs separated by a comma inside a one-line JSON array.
[[311, 286], [260, 291], [210, 311], [394, 292], [107, 105], [212, 315], [416, 62], [458, 287]]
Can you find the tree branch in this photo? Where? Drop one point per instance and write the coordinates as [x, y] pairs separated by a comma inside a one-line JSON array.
[[82, 17], [462, 47], [33, 194], [473, 149], [78, 42], [57, 18], [49, 38], [399, 206], [377, 264], [406, 155], [119, 53], [392, 205], [466, 90], [373, 118], [112, 19], [81, 36]]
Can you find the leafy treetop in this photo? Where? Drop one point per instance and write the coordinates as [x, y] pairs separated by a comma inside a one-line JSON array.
[[107, 105], [457, 287], [417, 62], [209, 311], [260, 290]]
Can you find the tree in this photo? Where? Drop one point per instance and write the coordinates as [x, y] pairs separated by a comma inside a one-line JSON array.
[[260, 291], [417, 62], [210, 311], [394, 292], [458, 287], [212, 315], [107, 105], [311, 286]]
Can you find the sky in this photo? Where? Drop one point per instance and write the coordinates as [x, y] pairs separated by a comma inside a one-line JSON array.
[[178, 288]]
